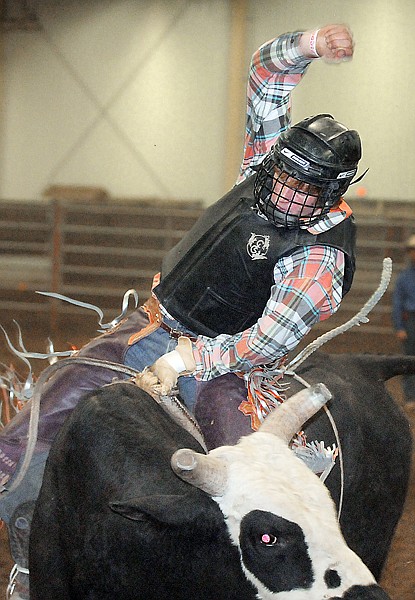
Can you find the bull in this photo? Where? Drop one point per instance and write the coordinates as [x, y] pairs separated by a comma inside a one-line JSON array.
[[246, 521], [374, 434]]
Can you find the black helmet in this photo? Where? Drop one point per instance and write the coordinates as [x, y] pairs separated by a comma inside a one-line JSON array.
[[307, 171]]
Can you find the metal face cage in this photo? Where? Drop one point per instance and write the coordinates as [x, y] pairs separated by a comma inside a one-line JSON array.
[[286, 199]]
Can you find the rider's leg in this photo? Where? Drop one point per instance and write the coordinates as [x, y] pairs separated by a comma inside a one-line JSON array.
[[59, 396]]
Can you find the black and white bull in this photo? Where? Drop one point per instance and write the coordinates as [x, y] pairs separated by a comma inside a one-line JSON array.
[[374, 435], [113, 520]]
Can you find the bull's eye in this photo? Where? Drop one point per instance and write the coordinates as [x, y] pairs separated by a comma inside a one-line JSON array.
[[268, 539]]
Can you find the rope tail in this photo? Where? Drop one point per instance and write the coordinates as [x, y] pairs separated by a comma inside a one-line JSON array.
[[360, 317]]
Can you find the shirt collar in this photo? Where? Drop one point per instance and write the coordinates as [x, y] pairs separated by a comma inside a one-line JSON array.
[[336, 215]]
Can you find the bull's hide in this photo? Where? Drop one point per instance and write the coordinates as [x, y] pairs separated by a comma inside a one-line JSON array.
[[111, 460], [116, 448], [374, 433]]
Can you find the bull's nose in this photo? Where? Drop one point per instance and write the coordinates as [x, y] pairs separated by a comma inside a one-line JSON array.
[[332, 579]]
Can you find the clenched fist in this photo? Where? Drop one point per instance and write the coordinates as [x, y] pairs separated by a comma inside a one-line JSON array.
[[333, 43]]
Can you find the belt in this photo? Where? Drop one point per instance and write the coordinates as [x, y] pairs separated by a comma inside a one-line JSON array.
[[152, 308], [176, 333]]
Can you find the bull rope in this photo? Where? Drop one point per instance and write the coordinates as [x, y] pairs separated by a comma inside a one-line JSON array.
[[360, 317], [338, 442], [35, 408]]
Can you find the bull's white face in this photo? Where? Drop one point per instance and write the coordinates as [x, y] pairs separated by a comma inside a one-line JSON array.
[[283, 520], [279, 513]]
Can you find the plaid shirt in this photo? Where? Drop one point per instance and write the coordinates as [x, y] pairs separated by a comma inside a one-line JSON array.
[[307, 290], [276, 68], [308, 283]]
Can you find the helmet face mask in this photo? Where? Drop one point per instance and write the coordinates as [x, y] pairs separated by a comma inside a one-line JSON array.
[[288, 202], [306, 172]]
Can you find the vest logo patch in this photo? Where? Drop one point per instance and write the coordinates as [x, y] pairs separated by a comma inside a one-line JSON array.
[[257, 246]]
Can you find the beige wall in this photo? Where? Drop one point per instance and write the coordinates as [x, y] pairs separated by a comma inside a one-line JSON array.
[[373, 94], [145, 97], [124, 94]]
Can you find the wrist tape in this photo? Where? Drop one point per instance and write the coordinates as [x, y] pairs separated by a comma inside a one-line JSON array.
[[313, 43], [174, 359]]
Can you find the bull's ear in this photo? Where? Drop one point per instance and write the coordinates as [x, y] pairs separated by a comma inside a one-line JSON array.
[[175, 509]]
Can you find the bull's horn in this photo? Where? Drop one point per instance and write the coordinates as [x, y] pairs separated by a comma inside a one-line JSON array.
[[203, 471], [286, 420]]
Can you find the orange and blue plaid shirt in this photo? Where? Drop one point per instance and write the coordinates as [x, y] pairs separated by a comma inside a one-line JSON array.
[[308, 283]]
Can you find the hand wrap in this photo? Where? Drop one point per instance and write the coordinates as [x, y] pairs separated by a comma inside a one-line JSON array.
[[172, 364]]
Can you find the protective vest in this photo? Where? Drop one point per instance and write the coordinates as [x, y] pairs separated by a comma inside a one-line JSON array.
[[218, 278]]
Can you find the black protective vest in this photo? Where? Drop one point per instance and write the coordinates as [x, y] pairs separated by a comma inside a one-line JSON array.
[[218, 278]]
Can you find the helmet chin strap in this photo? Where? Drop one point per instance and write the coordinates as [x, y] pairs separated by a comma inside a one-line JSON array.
[[331, 194], [359, 178]]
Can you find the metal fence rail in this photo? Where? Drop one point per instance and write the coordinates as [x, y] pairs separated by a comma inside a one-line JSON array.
[[91, 252], [95, 251]]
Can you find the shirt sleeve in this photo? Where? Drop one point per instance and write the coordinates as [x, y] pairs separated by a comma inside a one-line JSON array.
[[307, 289], [276, 68]]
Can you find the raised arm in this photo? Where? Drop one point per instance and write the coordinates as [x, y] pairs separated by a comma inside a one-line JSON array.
[[276, 68]]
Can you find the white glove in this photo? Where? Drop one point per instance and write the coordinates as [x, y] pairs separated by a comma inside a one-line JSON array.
[[177, 362]]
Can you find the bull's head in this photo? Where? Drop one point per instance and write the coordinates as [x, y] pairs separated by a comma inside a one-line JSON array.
[[279, 514]]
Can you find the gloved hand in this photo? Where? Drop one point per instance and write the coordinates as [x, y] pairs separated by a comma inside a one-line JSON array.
[[177, 362]]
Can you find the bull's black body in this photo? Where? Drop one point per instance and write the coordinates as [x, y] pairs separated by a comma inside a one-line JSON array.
[[374, 433], [111, 460], [117, 446]]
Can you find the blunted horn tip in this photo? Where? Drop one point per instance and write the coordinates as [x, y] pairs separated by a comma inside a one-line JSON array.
[[320, 394], [185, 459], [200, 470], [290, 416]]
